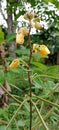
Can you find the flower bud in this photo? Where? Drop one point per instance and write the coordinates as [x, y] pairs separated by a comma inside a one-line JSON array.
[[14, 63], [19, 38], [44, 51], [38, 25], [29, 15], [36, 19]]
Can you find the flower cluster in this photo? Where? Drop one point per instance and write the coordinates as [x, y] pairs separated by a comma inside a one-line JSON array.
[[34, 22], [42, 49]]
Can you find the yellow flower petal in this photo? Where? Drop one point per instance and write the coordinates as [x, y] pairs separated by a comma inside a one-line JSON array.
[[14, 63], [19, 38], [24, 31], [44, 51]]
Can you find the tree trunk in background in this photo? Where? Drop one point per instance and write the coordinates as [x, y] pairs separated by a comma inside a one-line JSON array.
[[11, 29], [57, 62], [9, 23]]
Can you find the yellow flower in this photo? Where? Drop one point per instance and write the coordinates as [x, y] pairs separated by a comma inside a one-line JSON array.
[[19, 38], [24, 31], [38, 25], [14, 63], [35, 48], [44, 51]]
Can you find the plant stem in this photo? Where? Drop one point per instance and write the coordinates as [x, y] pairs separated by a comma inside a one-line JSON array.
[[9, 94], [49, 102], [3, 122], [15, 114], [44, 118], [43, 122], [29, 79]]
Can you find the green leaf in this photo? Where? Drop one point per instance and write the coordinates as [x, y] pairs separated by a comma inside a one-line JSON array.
[[32, 2], [1, 36], [55, 2], [21, 123], [27, 106], [37, 83], [40, 65], [37, 70], [10, 37], [22, 51], [46, 1], [3, 127], [2, 77], [49, 84], [53, 68], [54, 75]]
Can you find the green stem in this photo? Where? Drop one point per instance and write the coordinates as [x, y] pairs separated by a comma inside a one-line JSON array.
[[44, 118], [3, 122], [42, 105], [10, 94], [43, 122], [16, 87], [15, 114], [51, 103]]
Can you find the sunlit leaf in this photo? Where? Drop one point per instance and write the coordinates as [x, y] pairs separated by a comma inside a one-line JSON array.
[[1, 36]]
